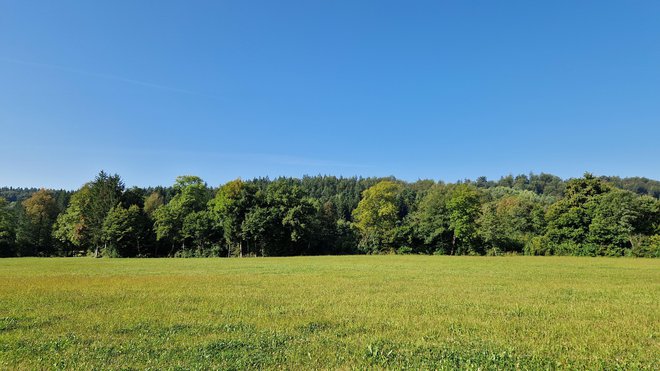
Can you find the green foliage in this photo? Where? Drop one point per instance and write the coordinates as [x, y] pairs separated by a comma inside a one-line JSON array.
[[446, 219], [125, 231], [153, 202], [260, 230], [347, 237], [192, 196], [638, 185], [613, 222], [105, 192], [541, 184], [133, 196], [81, 224], [231, 205], [463, 206], [378, 215], [432, 220], [71, 229], [201, 230], [646, 246], [530, 214], [569, 219], [34, 231], [509, 224], [596, 219], [283, 222], [7, 229]]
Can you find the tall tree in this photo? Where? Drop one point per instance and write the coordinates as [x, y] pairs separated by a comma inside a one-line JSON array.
[[7, 229], [446, 219], [509, 223], [39, 214], [105, 192], [71, 228], [378, 215], [464, 207], [192, 196], [125, 231], [202, 231], [230, 206], [153, 202], [569, 219], [618, 218], [81, 225], [431, 221]]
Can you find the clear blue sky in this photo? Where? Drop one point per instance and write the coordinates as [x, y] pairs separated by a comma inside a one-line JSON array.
[[416, 89]]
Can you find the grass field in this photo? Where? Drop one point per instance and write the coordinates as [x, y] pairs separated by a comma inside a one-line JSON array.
[[330, 312]]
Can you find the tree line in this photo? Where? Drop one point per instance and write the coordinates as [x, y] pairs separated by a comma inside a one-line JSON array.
[[527, 214]]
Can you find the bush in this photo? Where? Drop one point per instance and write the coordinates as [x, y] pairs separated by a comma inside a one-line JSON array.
[[404, 250], [538, 245], [569, 248], [646, 247], [494, 251], [110, 252]]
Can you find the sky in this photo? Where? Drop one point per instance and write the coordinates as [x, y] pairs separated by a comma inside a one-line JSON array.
[[444, 90]]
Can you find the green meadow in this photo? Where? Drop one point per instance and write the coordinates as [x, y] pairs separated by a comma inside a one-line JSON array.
[[346, 312]]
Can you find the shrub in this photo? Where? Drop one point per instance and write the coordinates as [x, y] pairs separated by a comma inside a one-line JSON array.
[[646, 246]]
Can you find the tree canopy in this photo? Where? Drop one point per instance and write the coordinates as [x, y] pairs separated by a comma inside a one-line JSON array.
[[524, 214]]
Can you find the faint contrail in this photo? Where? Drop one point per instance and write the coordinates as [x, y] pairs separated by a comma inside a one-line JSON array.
[[106, 76]]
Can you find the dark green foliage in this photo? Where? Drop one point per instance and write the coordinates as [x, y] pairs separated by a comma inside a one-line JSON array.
[[646, 246], [463, 206], [201, 231], [71, 231], [569, 218], [524, 214], [105, 192], [509, 224], [80, 226], [7, 229], [446, 219], [641, 186], [12, 195], [542, 184], [35, 222], [125, 231], [170, 219], [615, 221], [282, 222], [231, 205], [594, 218]]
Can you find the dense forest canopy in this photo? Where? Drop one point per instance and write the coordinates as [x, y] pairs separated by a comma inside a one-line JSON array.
[[535, 214]]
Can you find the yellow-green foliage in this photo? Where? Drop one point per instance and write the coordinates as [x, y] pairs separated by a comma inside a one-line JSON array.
[[330, 312]]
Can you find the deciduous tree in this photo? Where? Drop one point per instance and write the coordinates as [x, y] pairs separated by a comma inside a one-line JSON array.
[[34, 232]]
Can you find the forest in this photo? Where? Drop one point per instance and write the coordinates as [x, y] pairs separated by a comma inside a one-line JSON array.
[[535, 214]]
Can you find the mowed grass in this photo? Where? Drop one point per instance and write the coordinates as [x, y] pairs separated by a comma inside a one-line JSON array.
[[330, 312]]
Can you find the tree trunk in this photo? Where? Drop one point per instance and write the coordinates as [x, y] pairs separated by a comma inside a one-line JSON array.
[[96, 252]]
